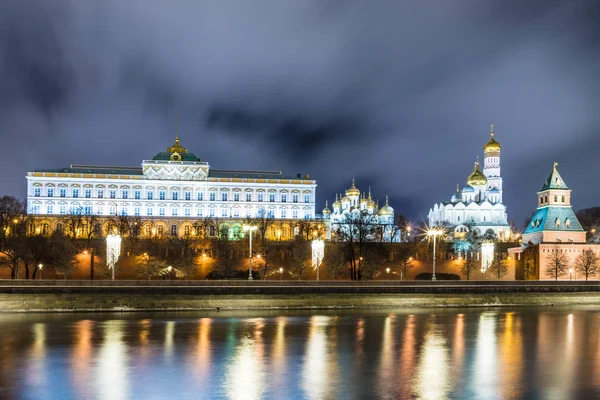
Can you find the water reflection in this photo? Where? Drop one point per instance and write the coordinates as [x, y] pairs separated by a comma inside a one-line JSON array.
[[432, 379], [112, 377], [453, 354]]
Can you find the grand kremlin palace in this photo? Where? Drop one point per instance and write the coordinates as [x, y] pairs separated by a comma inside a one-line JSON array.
[[169, 192]]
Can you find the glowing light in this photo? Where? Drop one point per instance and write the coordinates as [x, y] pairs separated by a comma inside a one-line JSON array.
[[487, 255], [318, 252], [113, 251]]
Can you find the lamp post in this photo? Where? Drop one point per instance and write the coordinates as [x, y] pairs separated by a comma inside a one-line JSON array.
[[250, 229], [40, 266], [435, 233], [169, 268], [113, 251], [280, 274], [387, 274], [318, 252]]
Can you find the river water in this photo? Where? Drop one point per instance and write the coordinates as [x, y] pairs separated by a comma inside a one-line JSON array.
[[428, 354]]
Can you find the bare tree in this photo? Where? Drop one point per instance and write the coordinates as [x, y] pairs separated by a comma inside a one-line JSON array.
[[586, 263], [335, 262], [557, 263], [149, 266], [467, 266], [499, 267], [64, 254]]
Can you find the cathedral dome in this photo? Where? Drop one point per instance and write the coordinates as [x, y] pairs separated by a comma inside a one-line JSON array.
[[176, 153], [326, 210], [492, 146], [386, 210], [345, 199], [477, 178], [468, 189], [456, 197], [353, 191]]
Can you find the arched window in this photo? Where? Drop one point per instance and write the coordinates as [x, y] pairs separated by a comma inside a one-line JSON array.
[[211, 230], [160, 230], [173, 230], [562, 199], [555, 198], [186, 230], [557, 223]]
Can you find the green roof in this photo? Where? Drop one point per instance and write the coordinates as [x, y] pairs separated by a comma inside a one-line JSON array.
[[554, 180], [166, 156], [545, 219]]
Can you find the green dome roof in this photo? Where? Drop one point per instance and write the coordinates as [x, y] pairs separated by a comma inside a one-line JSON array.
[[176, 153]]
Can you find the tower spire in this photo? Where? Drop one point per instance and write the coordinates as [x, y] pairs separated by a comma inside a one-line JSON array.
[[492, 130]]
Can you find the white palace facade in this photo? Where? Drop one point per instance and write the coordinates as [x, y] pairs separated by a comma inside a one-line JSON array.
[[174, 186], [478, 205]]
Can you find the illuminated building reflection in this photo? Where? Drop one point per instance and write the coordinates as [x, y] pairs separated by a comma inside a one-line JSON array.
[[319, 368], [433, 375], [387, 368], [246, 374], [407, 360], [82, 356], [36, 370], [112, 375], [169, 334], [458, 348], [511, 354], [485, 369]]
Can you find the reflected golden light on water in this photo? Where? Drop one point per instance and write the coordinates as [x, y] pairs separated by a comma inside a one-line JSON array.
[[82, 356], [36, 371], [319, 368], [511, 355], [458, 349], [387, 371], [246, 375], [486, 374], [202, 355], [144, 331], [359, 343], [279, 346], [169, 334], [112, 376], [407, 360], [433, 376]]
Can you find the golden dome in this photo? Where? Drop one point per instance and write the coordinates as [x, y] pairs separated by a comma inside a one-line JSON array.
[[353, 191], [345, 199], [336, 204], [477, 178], [326, 209], [492, 145], [386, 210]]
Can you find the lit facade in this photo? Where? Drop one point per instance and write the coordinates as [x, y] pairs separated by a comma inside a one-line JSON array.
[[477, 205], [174, 187]]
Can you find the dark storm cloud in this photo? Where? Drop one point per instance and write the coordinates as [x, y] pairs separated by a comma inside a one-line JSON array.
[[398, 95]]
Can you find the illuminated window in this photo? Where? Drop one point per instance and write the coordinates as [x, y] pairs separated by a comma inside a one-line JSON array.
[[236, 196], [224, 196], [88, 193], [200, 196], [149, 211], [248, 197], [173, 230], [175, 196], [187, 196], [284, 198], [161, 211], [137, 194], [187, 211], [112, 194], [294, 198], [50, 192], [212, 196], [272, 198], [100, 193], [260, 197], [125, 194], [37, 192], [149, 194]]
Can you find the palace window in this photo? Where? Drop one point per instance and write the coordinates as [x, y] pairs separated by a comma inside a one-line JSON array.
[[100, 193], [272, 198], [100, 210], [37, 192], [260, 197], [294, 198], [200, 196], [62, 192], [187, 211], [283, 213], [199, 212], [186, 230], [173, 230], [149, 211], [174, 211], [125, 194], [236, 213], [307, 198], [562, 199], [248, 197], [162, 195], [211, 230], [271, 214], [248, 212], [175, 196], [187, 196], [236, 196], [147, 230], [161, 230], [50, 192], [284, 198], [124, 210], [112, 194], [112, 210], [88, 193], [137, 194], [36, 209], [49, 210], [211, 212], [87, 210], [150, 195], [136, 211], [62, 209], [212, 196], [161, 211], [223, 212], [294, 213], [224, 196]]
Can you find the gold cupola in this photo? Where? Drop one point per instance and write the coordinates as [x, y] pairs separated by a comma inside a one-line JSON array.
[[477, 178], [492, 146], [386, 210], [326, 210], [353, 191]]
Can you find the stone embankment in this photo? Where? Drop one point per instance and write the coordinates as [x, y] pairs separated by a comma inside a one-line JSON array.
[[69, 296]]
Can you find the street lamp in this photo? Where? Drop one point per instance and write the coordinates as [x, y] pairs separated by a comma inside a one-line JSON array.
[[250, 229], [318, 252], [280, 274], [387, 276], [113, 251], [40, 266], [435, 233], [169, 268]]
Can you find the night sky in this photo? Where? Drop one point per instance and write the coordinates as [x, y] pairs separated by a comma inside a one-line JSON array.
[[398, 94]]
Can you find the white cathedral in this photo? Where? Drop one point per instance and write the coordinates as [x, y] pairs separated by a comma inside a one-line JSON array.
[[478, 205]]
